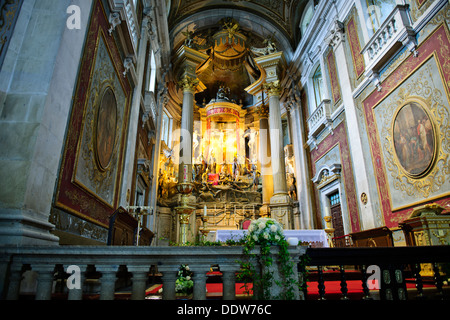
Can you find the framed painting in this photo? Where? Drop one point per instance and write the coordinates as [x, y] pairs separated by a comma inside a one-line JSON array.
[[106, 127], [414, 139]]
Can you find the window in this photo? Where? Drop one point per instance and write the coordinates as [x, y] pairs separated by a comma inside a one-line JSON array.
[[377, 12], [152, 73], [166, 130], [318, 86], [335, 199], [307, 17]]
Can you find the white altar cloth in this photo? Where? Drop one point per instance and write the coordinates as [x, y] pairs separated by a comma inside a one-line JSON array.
[[317, 238]]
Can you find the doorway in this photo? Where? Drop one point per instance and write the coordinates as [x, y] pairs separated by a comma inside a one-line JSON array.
[[336, 214]]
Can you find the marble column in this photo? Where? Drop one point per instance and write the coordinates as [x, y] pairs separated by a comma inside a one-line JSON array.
[[265, 159], [185, 185], [280, 203], [187, 128]]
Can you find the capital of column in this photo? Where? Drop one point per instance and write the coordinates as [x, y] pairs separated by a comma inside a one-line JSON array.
[[263, 112], [336, 35], [188, 83], [273, 88]]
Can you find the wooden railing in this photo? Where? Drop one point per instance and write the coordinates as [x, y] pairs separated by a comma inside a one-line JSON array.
[[396, 266]]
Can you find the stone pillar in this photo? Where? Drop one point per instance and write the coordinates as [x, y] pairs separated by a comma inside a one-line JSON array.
[[108, 281], [14, 282], [265, 159], [280, 203], [77, 294], [199, 278], [354, 126], [139, 279], [45, 281], [229, 282], [169, 277], [36, 91]]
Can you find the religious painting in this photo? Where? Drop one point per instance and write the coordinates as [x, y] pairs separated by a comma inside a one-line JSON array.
[[106, 128], [412, 112], [414, 139], [91, 172]]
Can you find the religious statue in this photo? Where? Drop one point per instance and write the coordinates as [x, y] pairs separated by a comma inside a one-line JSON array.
[[223, 93], [270, 47], [293, 188], [189, 41], [236, 169], [212, 163], [255, 182]]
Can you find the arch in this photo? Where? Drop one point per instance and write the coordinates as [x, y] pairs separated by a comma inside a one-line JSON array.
[[248, 21]]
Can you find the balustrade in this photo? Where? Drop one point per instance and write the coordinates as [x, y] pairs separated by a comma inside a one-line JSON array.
[[397, 265], [320, 118]]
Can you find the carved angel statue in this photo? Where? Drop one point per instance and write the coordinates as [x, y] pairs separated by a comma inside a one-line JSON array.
[[189, 41], [270, 47]]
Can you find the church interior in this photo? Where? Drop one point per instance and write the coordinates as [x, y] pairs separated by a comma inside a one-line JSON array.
[[165, 123]]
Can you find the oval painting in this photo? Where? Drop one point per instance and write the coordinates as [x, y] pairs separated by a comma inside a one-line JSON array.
[[414, 139], [106, 128]]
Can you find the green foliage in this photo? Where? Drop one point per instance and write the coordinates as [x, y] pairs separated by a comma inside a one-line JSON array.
[[184, 283], [266, 233]]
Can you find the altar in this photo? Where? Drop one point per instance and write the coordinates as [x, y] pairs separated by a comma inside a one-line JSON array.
[[316, 238]]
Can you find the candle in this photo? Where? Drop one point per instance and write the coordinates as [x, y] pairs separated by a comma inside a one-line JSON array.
[[185, 173], [205, 211]]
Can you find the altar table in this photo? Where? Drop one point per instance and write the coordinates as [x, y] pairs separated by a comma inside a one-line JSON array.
[[316, 238]]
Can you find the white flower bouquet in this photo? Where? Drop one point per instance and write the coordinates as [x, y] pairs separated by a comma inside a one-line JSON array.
[[184, 283], [265, 230]]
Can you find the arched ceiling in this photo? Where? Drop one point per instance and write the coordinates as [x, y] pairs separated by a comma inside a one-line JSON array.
[[258, 20], [263, 18]]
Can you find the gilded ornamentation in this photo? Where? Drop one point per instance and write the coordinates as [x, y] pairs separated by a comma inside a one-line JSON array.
[[99, 145], [9, 11], [188, 83], [364, 198], [263, 112], [273, 88], [416, 140]]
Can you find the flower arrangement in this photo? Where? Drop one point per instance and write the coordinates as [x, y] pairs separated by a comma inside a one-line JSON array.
[[184, 283], [265, 231]]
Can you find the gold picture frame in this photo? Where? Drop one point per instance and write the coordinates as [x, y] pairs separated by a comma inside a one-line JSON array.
[[414, 139], [105, 128]]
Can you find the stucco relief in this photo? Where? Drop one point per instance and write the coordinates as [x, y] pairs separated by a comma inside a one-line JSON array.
[[413, 126]]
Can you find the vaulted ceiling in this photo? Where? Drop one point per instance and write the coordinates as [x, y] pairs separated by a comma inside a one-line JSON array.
[[263, 18], [258, 20]]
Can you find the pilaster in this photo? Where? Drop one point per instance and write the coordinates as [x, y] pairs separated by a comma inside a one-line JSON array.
[[336, 39]]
